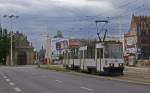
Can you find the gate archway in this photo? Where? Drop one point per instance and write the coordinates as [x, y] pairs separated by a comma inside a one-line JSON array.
[[22, 58]]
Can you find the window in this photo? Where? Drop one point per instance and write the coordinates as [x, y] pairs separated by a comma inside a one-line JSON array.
[[99, 53], [113, 51], [90, 52]]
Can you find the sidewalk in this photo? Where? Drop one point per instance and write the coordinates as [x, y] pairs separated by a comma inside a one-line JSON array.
[[137, 74], [137, 68]]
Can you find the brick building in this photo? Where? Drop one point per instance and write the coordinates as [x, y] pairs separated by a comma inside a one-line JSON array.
[[137, 39]]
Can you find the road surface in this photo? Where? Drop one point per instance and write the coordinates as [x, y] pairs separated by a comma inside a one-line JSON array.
[[34, 80]]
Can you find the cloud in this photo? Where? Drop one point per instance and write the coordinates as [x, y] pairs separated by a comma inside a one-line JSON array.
[[54, 6], [97, 6], [73, 17]]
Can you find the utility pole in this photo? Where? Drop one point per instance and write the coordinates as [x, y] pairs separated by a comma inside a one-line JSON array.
[[48, 54], [11, 36], [36, 55]]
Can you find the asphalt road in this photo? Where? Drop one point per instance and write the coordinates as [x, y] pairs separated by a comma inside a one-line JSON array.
[[33, 80]]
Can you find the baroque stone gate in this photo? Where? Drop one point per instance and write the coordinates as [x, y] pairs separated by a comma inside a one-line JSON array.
[[22, 50]]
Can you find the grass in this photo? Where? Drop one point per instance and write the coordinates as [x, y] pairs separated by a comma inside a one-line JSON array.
[[53, 67]]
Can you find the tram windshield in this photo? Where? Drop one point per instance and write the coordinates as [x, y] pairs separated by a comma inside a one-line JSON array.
[[113, 50]]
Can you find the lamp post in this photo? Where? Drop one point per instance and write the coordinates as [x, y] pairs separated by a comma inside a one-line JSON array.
[[11, 17]]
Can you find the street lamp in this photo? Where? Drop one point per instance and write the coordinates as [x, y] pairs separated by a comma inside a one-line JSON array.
[[11, 35]]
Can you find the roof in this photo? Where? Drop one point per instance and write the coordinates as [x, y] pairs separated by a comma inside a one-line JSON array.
[[136, 20]]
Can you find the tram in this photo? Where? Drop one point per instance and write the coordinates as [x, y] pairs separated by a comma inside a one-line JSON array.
[[105, 58]]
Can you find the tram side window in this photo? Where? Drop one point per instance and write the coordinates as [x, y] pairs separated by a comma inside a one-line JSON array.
[[93, 52], [72, 53], [75, 53], [69, 55], [107, 52], [99, 53], [85, 53], [81, 54], [90, 52]]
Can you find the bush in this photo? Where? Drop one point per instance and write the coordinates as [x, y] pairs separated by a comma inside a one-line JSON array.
[[52, 67], [61, 57]]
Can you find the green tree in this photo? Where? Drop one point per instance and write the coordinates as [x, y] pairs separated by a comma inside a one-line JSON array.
[[59, 34], [4, 45]]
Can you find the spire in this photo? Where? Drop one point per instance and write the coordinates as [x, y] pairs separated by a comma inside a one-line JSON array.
[[0, 26], [1, 30], [133, 15], [42, 47]]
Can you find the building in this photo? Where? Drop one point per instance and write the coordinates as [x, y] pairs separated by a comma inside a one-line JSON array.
[[22, 50], [137, 39]]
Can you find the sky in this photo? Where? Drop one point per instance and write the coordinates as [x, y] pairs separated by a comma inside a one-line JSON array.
[[75, 18]]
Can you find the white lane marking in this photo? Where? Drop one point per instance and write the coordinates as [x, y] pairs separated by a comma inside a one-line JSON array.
[[11, 83], [34, 73], [7, 80], [17, 89], [4, 77], [58, 81], [86, 88]]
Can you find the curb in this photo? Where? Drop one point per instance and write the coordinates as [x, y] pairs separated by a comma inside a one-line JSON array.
[[137, 68]]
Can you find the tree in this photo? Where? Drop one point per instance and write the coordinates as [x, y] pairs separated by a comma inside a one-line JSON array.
[[4, 45], [59, 34]]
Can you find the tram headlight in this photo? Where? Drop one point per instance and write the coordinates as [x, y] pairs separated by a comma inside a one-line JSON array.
[[120, 64], [111, 65]]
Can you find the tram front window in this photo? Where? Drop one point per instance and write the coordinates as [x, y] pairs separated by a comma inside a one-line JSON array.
[[113, 51]]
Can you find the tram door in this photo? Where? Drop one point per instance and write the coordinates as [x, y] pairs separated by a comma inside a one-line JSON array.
[[82, 56], [99, 56]]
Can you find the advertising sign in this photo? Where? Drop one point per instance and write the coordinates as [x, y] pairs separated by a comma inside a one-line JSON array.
[[62, 45], [131, 45], [73, 43]]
